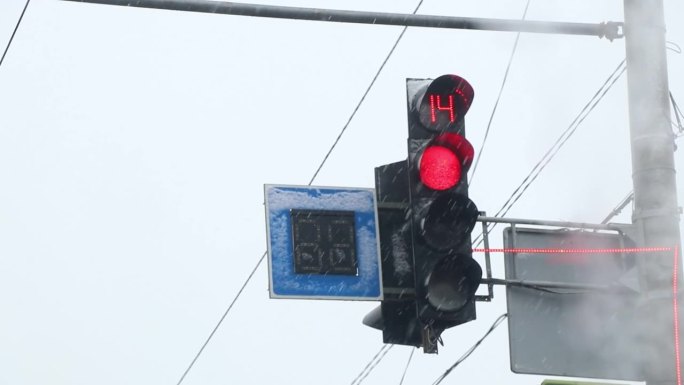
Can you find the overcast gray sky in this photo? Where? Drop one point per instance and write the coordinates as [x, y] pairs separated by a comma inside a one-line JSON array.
[[134, 145]]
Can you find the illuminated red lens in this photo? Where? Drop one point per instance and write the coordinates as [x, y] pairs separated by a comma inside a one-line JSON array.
[[440, 168]]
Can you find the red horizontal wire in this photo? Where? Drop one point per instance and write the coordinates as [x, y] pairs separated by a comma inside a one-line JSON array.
[[676, 316], [575, 251]]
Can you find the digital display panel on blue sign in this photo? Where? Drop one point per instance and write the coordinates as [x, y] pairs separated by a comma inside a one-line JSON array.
[[322, 243]]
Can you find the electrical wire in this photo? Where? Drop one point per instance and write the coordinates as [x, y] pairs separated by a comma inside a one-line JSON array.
[[548, 160], [555, 148], [222, 318], [672, 46], [363, 97], [496, 104], [372, 364], [470, 351], [563, 138], [21, 17], [407, 366], [361, 377], [325, 158]]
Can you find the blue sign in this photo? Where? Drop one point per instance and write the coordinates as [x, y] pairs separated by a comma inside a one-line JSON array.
[[322, 243]]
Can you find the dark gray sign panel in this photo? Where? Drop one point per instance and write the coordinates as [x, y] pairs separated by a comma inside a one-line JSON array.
[[585, 329]]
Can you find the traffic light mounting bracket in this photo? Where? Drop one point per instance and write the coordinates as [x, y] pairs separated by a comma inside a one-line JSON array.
[[625, 229], [488, 265]]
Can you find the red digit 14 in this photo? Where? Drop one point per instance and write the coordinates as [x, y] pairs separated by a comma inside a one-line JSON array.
[[436, 105]]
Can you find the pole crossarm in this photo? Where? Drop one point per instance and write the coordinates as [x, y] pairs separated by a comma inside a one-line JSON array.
[[609, 30]]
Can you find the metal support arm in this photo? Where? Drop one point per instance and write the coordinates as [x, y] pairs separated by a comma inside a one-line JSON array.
[[609, 30]]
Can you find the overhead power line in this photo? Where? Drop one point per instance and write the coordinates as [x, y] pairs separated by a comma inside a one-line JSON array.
[[498, 97], [470, 351], [16, 27], [555, 148], [372, 364], [344, 128], [320, 166], [407, 366], [204, 345], [363, 97], [672, 46]]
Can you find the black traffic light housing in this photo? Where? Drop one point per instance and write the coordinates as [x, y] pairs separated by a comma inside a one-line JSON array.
[[396, 315], [425, 220], [442, 216]]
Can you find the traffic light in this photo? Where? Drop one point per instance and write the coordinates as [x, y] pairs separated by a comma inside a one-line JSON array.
[[441, 214], [425, 219], [396, 315]]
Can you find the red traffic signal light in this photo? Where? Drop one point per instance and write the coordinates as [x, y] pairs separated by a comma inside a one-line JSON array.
[[444, 160]]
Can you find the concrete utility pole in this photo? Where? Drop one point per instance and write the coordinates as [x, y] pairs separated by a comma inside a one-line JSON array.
[[656, 214]]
